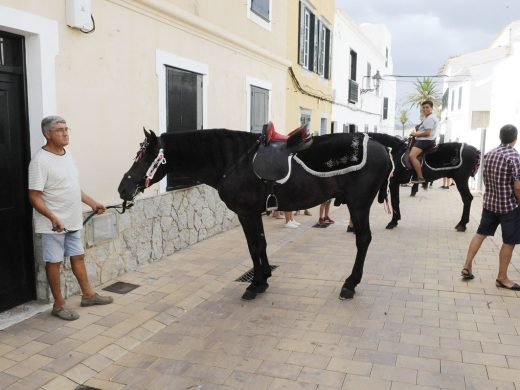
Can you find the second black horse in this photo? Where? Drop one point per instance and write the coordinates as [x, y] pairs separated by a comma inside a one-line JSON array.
[[453, 159]]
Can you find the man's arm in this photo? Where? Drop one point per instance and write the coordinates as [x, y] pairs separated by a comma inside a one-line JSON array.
[[424, 133], [516, 186], [36, 200], [98, 208]]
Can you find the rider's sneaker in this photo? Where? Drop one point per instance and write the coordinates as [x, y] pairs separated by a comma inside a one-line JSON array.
[[419, 180]]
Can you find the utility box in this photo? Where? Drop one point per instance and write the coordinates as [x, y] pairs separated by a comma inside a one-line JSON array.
[[79, 14]]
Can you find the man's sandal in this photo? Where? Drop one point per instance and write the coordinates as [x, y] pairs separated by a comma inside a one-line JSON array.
[[65, 313], [466, 274]]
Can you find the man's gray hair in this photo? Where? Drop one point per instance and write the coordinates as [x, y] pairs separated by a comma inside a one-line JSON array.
[[48, 121]]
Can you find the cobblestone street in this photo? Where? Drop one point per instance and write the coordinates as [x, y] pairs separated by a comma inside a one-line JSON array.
[[413, 324]]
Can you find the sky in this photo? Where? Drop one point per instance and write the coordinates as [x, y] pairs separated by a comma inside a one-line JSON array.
[[425, 34]]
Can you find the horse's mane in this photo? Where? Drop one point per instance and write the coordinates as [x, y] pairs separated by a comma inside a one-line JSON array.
[[387, 140]]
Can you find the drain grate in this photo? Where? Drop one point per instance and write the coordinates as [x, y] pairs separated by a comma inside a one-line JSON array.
[[121, 287], [248, 276]]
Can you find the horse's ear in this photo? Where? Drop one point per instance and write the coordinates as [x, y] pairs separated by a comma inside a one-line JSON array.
[[146, 133]]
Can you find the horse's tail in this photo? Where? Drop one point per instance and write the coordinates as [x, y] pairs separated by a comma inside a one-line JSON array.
[[384, 189], [476, 164]]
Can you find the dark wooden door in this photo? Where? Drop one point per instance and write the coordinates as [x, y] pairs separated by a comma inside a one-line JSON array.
[[183, 110], [17, 284]]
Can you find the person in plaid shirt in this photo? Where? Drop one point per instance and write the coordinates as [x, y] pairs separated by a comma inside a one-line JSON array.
[[502, 180]]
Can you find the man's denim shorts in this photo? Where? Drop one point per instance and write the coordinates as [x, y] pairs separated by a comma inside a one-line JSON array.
[[57, 246], [509, 222]]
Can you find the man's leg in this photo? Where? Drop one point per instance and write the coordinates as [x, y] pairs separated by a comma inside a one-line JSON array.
[[53, 278], [504, 257], [80, 272], [474, 246], [414, 154]]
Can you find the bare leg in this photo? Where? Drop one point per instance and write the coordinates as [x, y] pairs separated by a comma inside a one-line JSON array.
[[80, 272], [504, 257], [474, 246], [53, 278], [414, 154]]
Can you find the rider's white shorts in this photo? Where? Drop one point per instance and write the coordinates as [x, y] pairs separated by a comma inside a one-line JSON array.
[[57, 246]]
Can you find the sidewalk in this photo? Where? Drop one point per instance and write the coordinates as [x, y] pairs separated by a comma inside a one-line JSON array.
[[413, 323]]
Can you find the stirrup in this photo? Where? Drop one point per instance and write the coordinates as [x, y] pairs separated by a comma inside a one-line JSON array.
[[271, 204]]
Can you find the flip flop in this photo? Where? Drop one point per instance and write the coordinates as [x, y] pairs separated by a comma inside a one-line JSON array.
[[514, 287], [466, 274], [65, 313]]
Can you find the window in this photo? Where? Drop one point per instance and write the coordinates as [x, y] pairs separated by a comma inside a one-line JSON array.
[[259, 108], [323, 126], [445, 98], [353, 87], [460, 98], [386, 58], [305, 116], [375, 128], [321, 52], [385, 108], [366, 127], [452, 99], [261, 8], [368, 76], [314, 43]]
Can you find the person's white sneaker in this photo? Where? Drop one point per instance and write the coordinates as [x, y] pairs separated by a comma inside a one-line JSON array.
[[291, 225], [296, 222]]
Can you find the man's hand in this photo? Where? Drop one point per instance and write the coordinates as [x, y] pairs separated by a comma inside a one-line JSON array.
[[57, 226], [98, 208]]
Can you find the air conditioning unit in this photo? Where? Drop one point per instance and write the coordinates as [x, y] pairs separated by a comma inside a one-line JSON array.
[[79, 14]]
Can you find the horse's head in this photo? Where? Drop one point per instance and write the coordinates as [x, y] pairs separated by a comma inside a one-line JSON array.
[[144, 171]]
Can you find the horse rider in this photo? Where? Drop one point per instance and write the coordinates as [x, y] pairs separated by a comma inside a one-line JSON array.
[[424, 135]]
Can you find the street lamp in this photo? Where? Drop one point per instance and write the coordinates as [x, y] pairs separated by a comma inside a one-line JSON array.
[[377, 81]]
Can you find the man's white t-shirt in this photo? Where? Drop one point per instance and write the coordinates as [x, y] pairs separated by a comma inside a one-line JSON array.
[[430, 122], [58, 178]]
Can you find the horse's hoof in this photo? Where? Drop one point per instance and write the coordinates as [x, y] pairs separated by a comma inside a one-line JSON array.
[[391, 225], [350, 229], [260, 288], [413, 194], [460, 228], [346, 293], [249, 295]]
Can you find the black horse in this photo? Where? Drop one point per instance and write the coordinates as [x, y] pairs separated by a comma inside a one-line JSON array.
[[452, 159], [349, 167]]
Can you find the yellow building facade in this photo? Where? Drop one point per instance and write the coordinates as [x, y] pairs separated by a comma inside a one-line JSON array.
[[309, 44]]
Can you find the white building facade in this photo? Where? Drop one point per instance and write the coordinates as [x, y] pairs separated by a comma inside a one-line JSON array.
[[362, 102], [480, 91]]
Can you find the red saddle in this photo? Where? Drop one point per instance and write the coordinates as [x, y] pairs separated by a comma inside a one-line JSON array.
[[273, 135]]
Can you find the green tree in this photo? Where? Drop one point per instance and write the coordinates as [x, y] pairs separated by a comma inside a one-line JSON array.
[[404, 115], [425, 89]]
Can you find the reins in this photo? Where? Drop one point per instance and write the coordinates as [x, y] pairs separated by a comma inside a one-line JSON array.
[[122, 206]]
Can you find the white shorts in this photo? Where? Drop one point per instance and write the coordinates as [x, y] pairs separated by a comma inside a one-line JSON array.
[[57, 246]]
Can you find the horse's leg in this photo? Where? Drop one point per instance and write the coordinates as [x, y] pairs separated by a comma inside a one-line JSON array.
[[467, 198], [254, 232], [360, 218], [396, 212], [415, 189]]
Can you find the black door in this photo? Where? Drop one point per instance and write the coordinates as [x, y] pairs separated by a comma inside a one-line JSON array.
[[17, 284], [183, 110]]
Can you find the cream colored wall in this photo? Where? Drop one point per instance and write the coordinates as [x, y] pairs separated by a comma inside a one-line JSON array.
[[107, 87], [308, 80]]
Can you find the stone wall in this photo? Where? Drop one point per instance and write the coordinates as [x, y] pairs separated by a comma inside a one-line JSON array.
[[153, 228]]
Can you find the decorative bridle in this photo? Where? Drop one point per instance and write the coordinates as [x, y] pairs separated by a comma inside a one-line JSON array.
[[150, 173]]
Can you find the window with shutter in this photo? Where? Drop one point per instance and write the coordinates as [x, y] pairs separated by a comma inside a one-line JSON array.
[[385, 108], [261, 8], [460, 98]]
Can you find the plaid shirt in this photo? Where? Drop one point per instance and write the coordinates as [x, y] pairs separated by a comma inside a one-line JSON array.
[[501, 169]]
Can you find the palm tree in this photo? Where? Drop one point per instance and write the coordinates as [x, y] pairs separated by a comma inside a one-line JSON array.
[[425, 89], [404, 115]]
